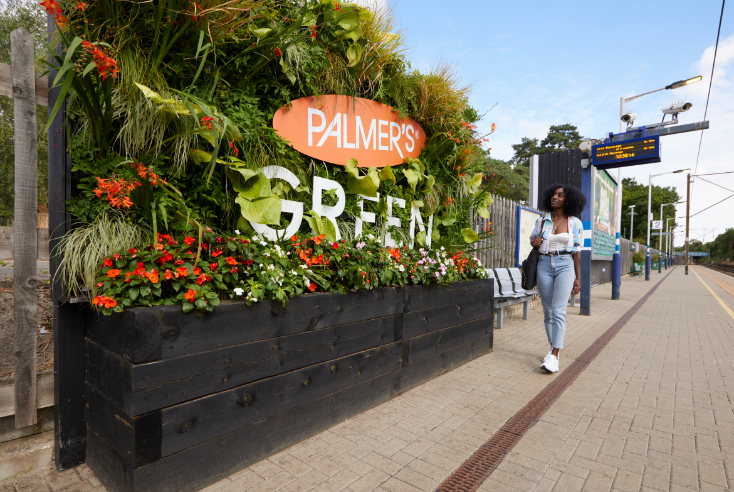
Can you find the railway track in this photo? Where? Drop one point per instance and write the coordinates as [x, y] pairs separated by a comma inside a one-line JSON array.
[[719, 267]]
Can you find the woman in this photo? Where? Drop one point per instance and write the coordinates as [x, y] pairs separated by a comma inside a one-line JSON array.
[[558, 235]]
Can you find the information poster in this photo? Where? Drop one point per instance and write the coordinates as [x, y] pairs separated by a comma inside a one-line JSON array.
[[604, 222], [526, 220]]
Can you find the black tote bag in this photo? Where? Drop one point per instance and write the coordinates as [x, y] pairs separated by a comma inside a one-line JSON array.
[[530, 266]]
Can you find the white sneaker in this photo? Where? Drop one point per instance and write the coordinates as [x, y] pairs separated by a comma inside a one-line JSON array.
[[546, 355], [550, 363]]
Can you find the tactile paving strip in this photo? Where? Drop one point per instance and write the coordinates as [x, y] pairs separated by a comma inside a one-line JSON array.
[[475, 470]]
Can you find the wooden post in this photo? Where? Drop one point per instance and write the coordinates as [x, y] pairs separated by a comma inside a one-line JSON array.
[[25, 224], [70, 424]]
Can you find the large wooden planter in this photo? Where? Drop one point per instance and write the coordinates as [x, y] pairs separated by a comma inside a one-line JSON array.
[[179, 401]]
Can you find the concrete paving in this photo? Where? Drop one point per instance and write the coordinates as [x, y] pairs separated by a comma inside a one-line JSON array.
[[652, 412]]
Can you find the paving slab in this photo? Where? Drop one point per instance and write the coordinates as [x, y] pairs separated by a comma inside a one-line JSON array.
[[651, 412]]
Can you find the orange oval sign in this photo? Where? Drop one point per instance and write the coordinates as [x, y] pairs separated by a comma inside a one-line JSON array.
[[338, 128]]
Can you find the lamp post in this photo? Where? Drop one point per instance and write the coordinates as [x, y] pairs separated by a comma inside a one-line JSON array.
[[649, 217], [660, 244], [667, 241], [632, 221], [674, 85]]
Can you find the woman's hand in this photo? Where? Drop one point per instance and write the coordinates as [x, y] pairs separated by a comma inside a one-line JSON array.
[[576, 287], [537, 242]]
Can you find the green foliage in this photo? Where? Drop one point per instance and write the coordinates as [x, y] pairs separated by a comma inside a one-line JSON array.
[[638, 257], [193, 103], [507, 179], [561, 137], [30, 16], [721, 247], [85, 247], [634, 193], [527, 148]]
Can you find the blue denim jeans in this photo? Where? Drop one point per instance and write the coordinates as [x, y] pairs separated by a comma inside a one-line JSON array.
[[555, 283]]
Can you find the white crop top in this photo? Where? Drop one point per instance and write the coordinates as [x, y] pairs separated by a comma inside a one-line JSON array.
[[558, 242]]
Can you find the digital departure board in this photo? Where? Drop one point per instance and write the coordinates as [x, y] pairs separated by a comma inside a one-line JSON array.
[[626, 153]]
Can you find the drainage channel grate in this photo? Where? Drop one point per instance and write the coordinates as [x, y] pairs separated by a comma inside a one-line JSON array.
[[475, 470]]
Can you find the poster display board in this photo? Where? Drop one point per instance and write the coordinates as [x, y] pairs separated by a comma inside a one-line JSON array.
[[526, 219], [604, 215]]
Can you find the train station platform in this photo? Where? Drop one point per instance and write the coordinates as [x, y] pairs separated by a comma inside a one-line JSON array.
[[643, 401]]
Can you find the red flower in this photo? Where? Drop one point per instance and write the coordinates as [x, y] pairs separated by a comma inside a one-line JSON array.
[[113, 273], [140, 269], [132, 251], [80, 6], [197, 271], [178, 262], [312, 286], [217, 252], [189, 240], [107, 262], [213, 266], [278, 53], [231, 261], [166, 257], [107, 302], [207, 122], [190, 295], [294, 238], [182, 271], [99, 284], [335, 245], [168, 275], [153, 276]]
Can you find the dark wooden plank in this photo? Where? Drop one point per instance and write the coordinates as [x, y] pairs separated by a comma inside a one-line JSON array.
[[428, 320], [194, 468], [441, 340], [168, 382], [421, 371], [69, 426], [136, 440], [134, 334], [233, 322], [421, 297], [140, 388], [194, 422], [116, 474]]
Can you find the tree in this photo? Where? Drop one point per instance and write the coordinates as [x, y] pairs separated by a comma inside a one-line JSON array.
[[506, 179], [524, 150], [30, 16], [561, 137], [634, 193]]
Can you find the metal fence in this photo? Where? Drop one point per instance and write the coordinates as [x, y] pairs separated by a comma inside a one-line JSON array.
[[499, 250]]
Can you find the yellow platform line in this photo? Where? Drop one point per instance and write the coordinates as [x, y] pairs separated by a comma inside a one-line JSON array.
[[726, 308]]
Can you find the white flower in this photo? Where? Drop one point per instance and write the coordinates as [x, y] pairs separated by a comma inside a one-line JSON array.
[[303, 266], [237, 231], [442, 248], [401, 268], [370, 236], [238, 291], [306, 282], [263, 243]]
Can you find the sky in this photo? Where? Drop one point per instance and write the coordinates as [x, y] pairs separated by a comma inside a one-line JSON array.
[[544, 63]]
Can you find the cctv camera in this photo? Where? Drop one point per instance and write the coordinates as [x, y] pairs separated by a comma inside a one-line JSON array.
[[629, 118], [676, 108]]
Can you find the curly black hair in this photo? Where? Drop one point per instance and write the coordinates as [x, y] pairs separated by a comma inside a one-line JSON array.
[[575, 199]]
